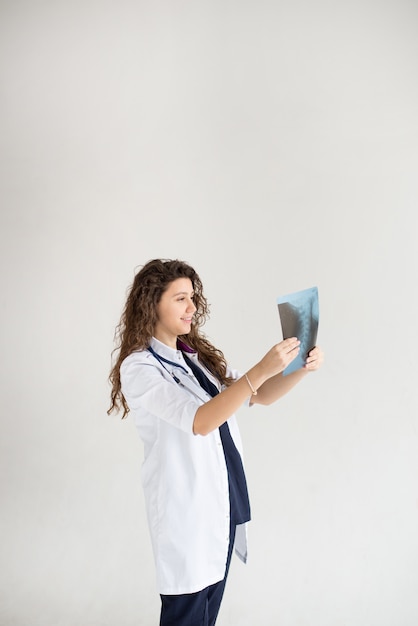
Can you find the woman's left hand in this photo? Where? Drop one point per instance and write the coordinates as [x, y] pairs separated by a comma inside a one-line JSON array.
[[314, 359]]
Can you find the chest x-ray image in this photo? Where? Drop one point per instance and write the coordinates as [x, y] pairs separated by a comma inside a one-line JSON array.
[[299, 317]]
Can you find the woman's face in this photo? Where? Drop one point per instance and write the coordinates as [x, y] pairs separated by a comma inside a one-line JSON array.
[[175, 312]]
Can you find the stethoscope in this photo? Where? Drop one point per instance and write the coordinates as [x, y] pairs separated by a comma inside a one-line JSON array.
[[162, 361]]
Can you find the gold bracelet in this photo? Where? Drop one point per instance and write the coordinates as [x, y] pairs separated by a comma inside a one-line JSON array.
[[253, 391]]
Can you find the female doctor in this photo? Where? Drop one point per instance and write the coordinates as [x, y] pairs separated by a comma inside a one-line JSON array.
[[183, 396]]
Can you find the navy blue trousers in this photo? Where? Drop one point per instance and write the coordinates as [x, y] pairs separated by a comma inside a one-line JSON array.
[[196, 609]]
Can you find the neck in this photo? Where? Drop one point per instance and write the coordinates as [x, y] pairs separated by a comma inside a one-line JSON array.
[[168, 340]]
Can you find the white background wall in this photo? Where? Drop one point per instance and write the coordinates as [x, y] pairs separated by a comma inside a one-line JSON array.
[[273, 145]]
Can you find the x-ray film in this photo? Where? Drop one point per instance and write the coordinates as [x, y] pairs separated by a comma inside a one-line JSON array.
[[299, 317]]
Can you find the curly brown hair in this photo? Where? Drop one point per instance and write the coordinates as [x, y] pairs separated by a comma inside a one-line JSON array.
[[139, 317]]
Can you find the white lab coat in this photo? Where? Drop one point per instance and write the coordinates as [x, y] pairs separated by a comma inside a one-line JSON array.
[[184, 476]]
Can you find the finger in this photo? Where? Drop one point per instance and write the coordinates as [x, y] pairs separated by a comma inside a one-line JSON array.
[[290, 344], [315, 353], [313, 363]]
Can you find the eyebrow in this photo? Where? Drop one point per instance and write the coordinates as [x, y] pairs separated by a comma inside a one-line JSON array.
[[183, 293]]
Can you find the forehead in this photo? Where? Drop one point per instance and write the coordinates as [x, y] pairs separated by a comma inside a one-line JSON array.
[[180, 285]]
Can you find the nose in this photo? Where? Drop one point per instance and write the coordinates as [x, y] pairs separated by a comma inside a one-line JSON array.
[[191, 306]]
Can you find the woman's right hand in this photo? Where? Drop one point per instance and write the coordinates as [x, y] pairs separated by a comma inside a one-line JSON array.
[[279, 356]]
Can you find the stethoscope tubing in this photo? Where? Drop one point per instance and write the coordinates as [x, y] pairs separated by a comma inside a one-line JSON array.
[[162, 362]]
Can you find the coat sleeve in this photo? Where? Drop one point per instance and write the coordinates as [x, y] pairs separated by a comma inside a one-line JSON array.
[[148, 392]]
